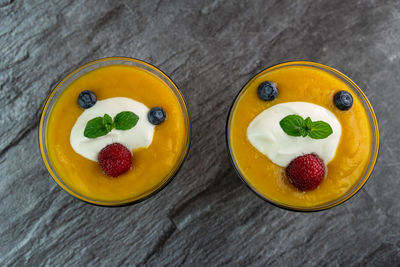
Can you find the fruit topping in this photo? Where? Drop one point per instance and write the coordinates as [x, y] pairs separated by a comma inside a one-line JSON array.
[[87, 99], [115, 159], [306, 172], [267, 91], [343, 100], [156, 115]]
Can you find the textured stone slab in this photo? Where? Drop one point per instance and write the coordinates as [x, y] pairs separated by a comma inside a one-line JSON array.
[[206, 216]]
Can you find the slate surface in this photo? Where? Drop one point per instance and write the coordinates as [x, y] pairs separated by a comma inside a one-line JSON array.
[[206, 216]]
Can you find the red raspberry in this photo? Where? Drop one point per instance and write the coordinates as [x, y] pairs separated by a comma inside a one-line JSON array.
[[115, 159], [306, 172]]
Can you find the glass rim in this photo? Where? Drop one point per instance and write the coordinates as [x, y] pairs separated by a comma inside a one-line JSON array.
[[371, 118], [167, 179]]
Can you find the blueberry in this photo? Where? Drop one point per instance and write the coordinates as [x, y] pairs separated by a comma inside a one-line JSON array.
[[87, 99], [267, 91], [343, 100], [156, 115]]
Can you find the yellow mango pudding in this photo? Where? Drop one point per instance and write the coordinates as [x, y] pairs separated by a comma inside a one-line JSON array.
[[302, 136], [114, 131]]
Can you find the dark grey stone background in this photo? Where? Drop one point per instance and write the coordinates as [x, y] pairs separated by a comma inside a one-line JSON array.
[[206, 216]]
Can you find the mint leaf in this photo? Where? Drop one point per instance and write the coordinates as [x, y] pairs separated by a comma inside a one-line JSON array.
[[303, 132], [108, 122], [293, 125], [307, 127], [101, 126], [320, 130], [107, 119], [125, 120], [308, 123], [95, 128]]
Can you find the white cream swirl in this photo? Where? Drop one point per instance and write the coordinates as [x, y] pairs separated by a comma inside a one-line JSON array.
[[140, 136], [267, 136]]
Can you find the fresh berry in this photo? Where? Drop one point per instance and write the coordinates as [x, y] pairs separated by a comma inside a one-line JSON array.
[[115, 159], [87, 99], [156, 115], [306, 172], [267, 91], [343, 100]]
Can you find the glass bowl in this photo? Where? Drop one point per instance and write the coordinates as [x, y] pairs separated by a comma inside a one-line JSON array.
[[372, 123], [63, 85]]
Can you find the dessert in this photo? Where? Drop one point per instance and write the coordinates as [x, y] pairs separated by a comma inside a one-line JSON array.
[[115, 134], [300, 135]]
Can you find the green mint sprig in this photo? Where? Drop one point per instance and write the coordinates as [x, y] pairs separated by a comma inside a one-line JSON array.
[[295, 125], [101, 126]]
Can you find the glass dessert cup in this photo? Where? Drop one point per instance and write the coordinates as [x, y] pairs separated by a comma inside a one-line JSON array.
[[242, 167], [152, 74]]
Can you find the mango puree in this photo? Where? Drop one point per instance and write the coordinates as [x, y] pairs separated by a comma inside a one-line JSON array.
[[308, 84], [150, 167]]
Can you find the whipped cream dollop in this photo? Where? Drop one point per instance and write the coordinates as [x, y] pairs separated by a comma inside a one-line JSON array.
[[267, 136], [140, 136]]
